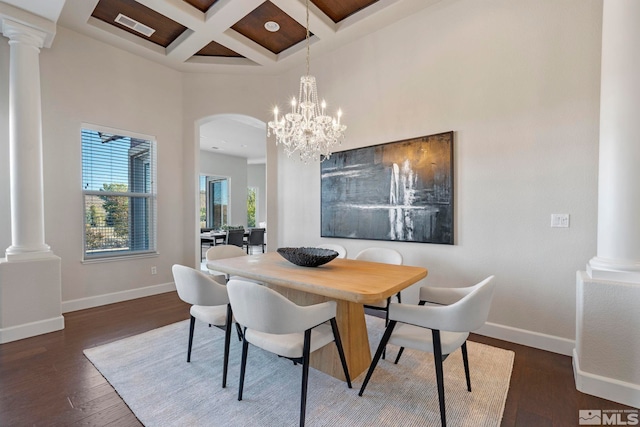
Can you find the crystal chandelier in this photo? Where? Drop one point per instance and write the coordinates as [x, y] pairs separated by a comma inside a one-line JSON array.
[[306, 129]]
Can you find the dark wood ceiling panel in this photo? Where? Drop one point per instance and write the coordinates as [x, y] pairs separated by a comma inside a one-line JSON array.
[[252, 27], [203, 5], [337, 10], [216, 49], [166, 32]]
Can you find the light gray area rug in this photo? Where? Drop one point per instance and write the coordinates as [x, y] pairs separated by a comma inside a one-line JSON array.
[[151, 374]]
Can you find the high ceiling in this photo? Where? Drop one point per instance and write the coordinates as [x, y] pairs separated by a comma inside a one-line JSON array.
[[223, 36]]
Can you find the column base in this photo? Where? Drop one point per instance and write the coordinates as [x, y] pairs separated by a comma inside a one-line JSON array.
[[603, 387], [16, 253], [607, 339], [30, 297], [615, 270]]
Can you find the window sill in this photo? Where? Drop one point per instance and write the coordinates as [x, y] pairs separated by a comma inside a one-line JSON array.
[[119, 258]]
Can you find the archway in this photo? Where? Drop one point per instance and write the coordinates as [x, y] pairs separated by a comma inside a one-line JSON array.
[[231, 148]]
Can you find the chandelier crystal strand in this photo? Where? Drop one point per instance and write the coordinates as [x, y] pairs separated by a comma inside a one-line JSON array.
[[306, 129]]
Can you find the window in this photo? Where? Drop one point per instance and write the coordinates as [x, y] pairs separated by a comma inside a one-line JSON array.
[[214, 202], [118, 186]]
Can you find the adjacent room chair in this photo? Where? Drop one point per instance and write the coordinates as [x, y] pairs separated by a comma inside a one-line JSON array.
[[235, 237], [222, 252], [467, 310], [386, 256], [342, 251], [210, 304], [277, 325], [255, 238]]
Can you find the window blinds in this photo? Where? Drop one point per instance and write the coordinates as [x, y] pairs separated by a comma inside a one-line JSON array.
[[118, 184]]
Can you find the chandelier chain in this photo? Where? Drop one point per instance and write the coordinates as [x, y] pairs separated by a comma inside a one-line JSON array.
[[307, 38]]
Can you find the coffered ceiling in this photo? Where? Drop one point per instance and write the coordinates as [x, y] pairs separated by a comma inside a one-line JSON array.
[[224, 36]]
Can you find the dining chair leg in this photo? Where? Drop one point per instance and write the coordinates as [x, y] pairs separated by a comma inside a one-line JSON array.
[[306, 350], [398, 356], [243, 363], [192, 325], [239, 331], [343, 360], [376, 358], [386, 323], [227, 342], [465, 360], [437, 356]]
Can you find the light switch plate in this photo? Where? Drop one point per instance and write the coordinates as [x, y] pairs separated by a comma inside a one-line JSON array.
[[560, 220]]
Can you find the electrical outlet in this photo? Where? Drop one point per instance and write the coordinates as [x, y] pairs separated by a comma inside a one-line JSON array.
[[560, 220], [153, 270]]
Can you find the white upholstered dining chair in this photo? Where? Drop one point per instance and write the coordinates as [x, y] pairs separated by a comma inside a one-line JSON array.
[[210, 304], [222, 252], [277, 325], [455, 313], [386, 256], [342, 251]]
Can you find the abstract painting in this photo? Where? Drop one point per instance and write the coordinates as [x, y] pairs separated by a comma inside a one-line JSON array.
[[398, 191]]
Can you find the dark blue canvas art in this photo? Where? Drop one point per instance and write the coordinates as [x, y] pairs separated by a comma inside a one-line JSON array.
[[400, 191]]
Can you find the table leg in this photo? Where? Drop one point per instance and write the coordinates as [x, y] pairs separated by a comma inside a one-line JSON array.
[[353, 333]]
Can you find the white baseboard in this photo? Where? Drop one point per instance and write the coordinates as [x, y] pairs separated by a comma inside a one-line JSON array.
[[27, 330], [90, 302], [605, 388], [546, 342]]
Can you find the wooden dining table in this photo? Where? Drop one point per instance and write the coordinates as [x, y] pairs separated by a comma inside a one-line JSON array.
[[351, 283]]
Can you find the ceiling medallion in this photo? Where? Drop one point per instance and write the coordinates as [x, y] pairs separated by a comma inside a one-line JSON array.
[[306, 129]]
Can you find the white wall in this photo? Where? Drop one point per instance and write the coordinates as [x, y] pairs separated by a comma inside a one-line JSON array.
[[87, 81], [257, 177], [518, 82], [235, 169], [206, 95]]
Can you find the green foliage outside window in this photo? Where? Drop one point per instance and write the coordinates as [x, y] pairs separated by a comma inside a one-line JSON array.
[[95, 217], [117, 209], [203, 216], [251, 207], [94, 238]]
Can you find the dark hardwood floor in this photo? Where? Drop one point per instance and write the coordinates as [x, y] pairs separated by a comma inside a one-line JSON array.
[[46, 380]]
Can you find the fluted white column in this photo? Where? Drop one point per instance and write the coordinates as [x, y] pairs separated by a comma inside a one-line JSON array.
[[618, 256], [27, 199]]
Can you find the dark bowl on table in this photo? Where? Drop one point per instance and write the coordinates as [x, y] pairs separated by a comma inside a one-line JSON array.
[[307, 257]]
